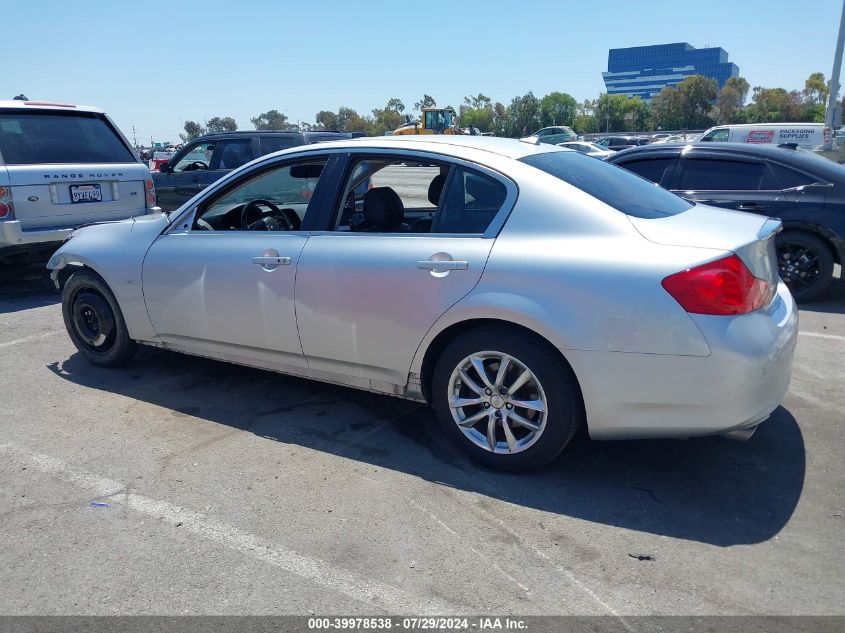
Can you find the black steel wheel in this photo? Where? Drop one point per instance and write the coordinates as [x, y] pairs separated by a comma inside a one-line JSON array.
[[94, 322]]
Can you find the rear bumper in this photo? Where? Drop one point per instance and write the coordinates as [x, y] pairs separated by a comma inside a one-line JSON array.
[[737, 386], [14, 239]]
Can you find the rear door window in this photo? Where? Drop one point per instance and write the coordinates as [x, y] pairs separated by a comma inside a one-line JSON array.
[[615, 186], [788, 178], [470, 202], [706, 174], [653, 169], [46, 137], [232, 154], [270, 144]]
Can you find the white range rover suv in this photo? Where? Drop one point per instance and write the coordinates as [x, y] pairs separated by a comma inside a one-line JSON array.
[[62, 166]]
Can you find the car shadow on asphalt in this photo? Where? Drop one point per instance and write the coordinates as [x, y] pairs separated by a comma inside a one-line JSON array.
[[831, 302], [712, 490], [23, 287]]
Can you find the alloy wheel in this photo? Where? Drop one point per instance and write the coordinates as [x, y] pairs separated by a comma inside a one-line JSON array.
[[799, 266], [497, 402]]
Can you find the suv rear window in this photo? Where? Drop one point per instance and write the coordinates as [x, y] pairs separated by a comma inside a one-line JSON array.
[[615, 186], [32, 138]]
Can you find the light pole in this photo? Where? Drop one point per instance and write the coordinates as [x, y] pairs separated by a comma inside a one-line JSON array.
[[833, 115]]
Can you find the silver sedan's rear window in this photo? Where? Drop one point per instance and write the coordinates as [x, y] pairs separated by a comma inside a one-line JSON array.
[[613, 185]]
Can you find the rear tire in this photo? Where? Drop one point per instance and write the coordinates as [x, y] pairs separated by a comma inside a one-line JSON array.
[[517, 419], [805, 264], [94, 321]]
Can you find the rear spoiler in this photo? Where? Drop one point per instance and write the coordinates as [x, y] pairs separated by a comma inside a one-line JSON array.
[[770, 228]]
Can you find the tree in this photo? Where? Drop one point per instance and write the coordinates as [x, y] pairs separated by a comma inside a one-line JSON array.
[[637, 114], [477, 111], [731, 99], [585, 124], [587, 107], [192, 131], [271, 120], [816, 89], [696, 96], [218, 124], [478, 102], [610, 112], [327, 120], [500, 119], [395, 105], [775, 104], [386, 119], [557, 108], [686, 105], [348, 120], [426, 102], [523, 116]]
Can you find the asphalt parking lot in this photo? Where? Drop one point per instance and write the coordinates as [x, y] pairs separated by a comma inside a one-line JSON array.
[[180, 485]]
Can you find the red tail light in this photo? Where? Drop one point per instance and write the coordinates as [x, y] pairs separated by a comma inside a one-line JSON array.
[[6, 207], [723, 287], [150, 188]]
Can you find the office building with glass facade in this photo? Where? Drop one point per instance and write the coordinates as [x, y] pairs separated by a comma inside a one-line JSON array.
[[643, 71]]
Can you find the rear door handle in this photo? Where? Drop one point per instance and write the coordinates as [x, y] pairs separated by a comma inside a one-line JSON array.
[[271, 262], [449, 264], [752, 206]]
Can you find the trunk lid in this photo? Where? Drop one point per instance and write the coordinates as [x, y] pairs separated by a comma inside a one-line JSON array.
[[748, 235], [43, 195]]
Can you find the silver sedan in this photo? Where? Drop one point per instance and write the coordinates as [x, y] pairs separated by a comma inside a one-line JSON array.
[[521, 289]]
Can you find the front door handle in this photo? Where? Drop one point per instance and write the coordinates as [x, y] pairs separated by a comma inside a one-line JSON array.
[[449, 264], [752, 206], [196, 179]]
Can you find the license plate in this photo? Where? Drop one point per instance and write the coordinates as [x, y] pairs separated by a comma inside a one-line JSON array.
[[86, 193]]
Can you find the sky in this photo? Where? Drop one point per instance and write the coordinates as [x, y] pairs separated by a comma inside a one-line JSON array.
[[154, 65]]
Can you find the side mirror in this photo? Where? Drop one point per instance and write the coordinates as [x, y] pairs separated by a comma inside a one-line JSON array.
[[165, 167], [705, 139]]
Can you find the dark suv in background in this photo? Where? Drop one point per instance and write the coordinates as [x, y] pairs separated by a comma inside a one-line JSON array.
[[806, 191], [210, 157]]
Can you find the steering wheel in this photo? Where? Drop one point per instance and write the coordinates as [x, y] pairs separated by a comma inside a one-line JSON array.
[[197, 164], [275, 220]]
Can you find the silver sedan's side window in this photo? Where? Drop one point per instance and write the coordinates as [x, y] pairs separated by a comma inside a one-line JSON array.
[[388, 195], [275, 199]]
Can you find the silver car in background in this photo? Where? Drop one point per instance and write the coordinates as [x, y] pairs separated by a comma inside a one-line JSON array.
[[62, 166], [521, 288]]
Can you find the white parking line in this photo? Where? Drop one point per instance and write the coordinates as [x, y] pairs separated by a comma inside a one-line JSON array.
[[33, 337], [386, 598], [833, 337]]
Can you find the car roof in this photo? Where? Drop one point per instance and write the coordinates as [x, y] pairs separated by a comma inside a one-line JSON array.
[[18, 104], [797, 158], [749, 149], [251, 133], [507, 147]]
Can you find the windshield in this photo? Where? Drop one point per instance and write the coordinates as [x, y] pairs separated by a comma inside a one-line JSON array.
[[47, 137], [615, 186]]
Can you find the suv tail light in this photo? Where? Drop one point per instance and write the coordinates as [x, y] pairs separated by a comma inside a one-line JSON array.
[[723, 287], [150, 190], [7, 210]]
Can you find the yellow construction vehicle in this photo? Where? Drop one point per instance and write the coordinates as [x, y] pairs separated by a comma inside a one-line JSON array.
[[432, 121]]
